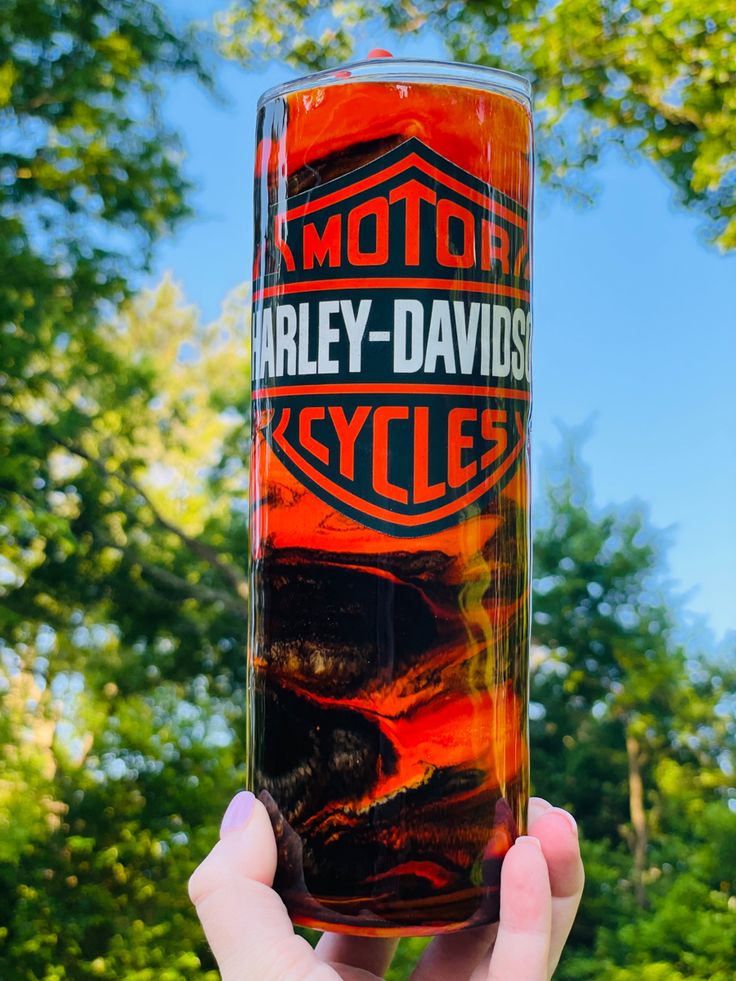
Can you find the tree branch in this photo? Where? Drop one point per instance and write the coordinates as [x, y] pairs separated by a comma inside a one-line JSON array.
[[202, 550], [638, 816], [229, 572], [198, 591]]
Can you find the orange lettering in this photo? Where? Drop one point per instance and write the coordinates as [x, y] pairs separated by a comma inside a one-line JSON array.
[[457, 474], [306, 418], [318, 248], [378, 208], [494, 434], [447, 209], [412, 193], [280, 243], [383, 416], [347, 433], [498, 249], [423, 490], [518, 271]]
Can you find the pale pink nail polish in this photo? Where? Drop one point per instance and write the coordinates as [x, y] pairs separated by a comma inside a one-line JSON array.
[[238, 813], [568, 817], [530, 839], [540, 803]]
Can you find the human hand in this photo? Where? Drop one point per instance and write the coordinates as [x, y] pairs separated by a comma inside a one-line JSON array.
[[252, 938]]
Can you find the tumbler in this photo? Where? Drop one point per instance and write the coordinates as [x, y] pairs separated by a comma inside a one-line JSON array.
[[389, 527]]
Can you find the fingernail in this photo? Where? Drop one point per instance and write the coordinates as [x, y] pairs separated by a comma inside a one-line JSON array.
[[540, 803], [530, 839], [238, 812], [568, 817]]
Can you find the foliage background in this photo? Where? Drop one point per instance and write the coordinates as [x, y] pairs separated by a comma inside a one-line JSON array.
[[123, 432]]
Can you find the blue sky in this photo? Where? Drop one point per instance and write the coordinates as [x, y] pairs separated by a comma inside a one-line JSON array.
[[635, 327]]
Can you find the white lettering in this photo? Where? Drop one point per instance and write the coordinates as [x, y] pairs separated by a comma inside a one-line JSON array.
[[467, 334], [355, 324], [266, 360], [285, 340], [501, 341], [306, 367], [327, 335], [485, 339], [439, 338], [518, 330], [412, 360]]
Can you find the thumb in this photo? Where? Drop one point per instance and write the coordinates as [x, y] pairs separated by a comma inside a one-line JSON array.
[[244, 920]]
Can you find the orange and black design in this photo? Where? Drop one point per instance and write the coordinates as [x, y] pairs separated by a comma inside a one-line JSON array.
[[389, 497], [391, 340]]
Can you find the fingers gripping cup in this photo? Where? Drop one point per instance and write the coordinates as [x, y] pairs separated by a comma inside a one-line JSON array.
[[387, 716]]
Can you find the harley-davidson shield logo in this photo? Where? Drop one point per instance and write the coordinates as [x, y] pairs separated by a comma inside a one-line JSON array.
[[391, 340]]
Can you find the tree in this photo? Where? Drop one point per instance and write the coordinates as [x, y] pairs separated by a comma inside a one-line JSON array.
[[109, 721], [90, 179], [90, 173], [122, 668], [657, 79], [636, 733]]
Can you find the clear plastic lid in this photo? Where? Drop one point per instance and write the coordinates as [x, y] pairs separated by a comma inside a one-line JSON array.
[[410, 70]]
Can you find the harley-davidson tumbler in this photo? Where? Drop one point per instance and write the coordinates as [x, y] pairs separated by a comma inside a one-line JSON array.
[[387, 715]]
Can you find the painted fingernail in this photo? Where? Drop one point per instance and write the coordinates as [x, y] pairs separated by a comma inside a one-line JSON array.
[[528, 839], [238, 813], [540, 803], [568, 817]]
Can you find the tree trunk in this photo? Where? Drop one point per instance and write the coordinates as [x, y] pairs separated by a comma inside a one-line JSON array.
[[638, 817]]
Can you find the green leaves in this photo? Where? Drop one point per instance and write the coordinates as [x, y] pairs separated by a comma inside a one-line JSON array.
[[93, 860], [634, 733], [657, 79]]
